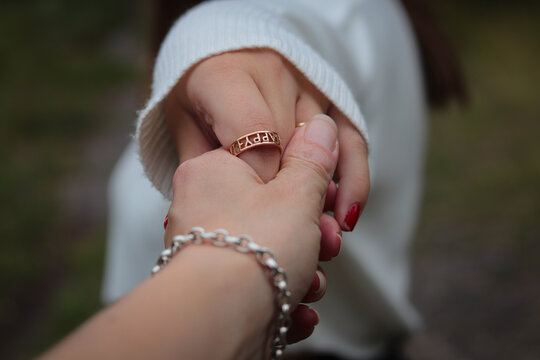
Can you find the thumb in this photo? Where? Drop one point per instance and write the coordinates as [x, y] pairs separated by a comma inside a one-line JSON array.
[[311, 156]]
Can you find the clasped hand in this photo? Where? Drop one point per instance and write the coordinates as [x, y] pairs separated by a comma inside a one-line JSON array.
[[277, 200]]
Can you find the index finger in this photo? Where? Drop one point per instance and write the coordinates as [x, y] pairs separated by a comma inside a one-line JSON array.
[[233, 106]]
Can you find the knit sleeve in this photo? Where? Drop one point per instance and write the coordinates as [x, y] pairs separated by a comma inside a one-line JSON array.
[[221, 26]]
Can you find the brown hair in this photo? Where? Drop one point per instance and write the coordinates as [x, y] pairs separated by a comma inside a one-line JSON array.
[[443, 78]]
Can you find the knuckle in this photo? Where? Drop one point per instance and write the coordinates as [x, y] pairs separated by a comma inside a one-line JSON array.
[[268, 66], [189, 174], [273, 62], [177, 177], [183, 172], [223, 65]]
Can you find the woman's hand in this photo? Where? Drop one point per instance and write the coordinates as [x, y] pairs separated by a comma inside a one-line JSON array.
[[232, 94], [211, 303], [218, 190]]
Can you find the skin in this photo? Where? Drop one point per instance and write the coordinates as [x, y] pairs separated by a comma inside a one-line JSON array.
[[189, 308], [235, 93]]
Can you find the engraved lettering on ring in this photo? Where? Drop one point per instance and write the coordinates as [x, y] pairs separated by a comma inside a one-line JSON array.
[[254, 139]]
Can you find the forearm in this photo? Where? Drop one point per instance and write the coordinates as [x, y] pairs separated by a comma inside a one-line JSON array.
[[189, 310]]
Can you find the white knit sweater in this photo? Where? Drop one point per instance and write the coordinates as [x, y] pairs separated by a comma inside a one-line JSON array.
[[361, 55], [222, 26]]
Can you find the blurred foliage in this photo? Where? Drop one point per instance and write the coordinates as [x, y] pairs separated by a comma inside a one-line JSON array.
[[484, 166], [54, 69], [479, 236]]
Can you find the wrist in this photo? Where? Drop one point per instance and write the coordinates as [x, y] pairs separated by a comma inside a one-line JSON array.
[[265, 258], [235, 297]]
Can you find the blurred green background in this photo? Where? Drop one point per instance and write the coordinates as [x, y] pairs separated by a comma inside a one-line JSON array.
[[71, 79]]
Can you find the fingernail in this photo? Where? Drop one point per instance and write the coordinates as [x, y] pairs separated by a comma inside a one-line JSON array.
[[322, 130], [316, 315], [322, 282], [315, 284], [340, 239], [166, 222], [352, 217]]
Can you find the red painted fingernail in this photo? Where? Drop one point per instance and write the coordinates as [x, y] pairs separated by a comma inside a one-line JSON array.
[[315, 284], [322, 282], [352, 217], [316, 315], [166, 222]]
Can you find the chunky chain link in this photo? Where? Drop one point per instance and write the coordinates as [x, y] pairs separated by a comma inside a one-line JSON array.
[[243, 244]]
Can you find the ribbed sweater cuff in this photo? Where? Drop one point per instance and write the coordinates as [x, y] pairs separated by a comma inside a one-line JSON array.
[[214, 28]]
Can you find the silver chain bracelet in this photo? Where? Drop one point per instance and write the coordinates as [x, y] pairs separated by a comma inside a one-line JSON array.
[[243, 244]]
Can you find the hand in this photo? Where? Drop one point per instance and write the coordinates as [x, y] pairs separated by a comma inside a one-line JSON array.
[[232, 94], [217, 190], [229, 95], [189, 308]]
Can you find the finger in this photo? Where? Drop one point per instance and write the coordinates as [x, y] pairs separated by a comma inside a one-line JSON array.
[[304, 319], [279, 90], [330, 200], [286, 89], [330, 238], [318, 287], [353, 173], [189, 137], [274, 78], [310, 159], [310, 103], [233, 106]]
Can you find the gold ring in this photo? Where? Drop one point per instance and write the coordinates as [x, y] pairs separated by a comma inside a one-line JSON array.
[[257, 138]]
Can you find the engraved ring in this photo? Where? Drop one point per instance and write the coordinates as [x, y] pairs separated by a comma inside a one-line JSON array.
[[257, 138]]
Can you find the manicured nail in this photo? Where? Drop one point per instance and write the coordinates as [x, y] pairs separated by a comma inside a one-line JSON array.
[[316, 315], [166, 222], [322, 130], [315, 284], [352, 217], [340, 239], [322, 282]]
